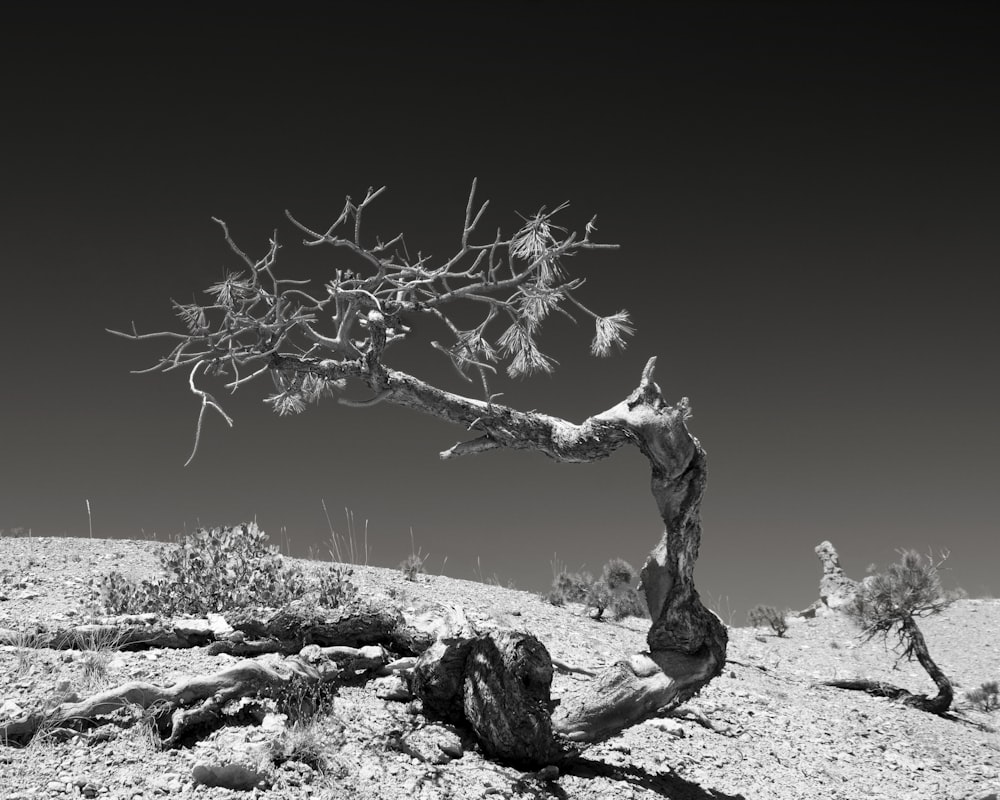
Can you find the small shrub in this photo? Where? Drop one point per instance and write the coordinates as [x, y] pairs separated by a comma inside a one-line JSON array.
[[336, 588], [628, 603], [986, 697], [614, 591], [211, 571], [570, 587], [768, 615], [618, 574], [412, 566], [958, 593]]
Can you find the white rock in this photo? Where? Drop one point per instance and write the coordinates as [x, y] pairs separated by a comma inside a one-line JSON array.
[[668, 726], [11, 710]]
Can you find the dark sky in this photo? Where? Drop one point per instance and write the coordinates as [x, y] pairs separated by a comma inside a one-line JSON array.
[[806, 199]]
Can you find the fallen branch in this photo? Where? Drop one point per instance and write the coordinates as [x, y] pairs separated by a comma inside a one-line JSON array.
[[194, 702]]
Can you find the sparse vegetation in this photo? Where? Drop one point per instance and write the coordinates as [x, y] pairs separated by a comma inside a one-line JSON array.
[[768, 615], [986, 697], [216, 570]]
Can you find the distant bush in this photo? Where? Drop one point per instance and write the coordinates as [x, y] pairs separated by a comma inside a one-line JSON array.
[[412, 566], [768, 615], [986, 697], [216, 570], [570, 587], [958, 593], [612, 592]]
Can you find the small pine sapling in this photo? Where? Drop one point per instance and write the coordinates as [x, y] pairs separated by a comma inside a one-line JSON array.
[[890, 602]]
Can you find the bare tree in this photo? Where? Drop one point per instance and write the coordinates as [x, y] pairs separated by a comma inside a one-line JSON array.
[[311, 343]]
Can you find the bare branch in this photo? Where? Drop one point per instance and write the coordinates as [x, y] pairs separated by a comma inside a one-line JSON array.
[[472, 447], [206, 401], [371, 401]]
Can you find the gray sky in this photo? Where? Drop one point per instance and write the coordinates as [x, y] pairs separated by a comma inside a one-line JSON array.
[[806, 203]]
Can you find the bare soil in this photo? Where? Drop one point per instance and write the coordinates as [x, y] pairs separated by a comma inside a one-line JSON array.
[[775, 734]]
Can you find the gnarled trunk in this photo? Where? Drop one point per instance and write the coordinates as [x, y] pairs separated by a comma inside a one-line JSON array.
[[941, 702], [687, 643]]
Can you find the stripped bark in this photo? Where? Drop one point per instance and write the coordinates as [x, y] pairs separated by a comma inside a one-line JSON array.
[[687, 643]]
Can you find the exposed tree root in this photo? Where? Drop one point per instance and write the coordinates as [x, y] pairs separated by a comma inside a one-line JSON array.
[[201, 702], [880, 689]]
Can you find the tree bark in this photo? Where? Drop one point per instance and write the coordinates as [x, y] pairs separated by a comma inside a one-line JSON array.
[[687, 643], [941, 702]]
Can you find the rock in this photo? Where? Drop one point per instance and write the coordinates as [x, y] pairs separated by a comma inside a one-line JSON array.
[[166, 783], [10, 710], [432, 744], [236, 758], [549, 773], [394, 688], [835, 588], [668, 726]]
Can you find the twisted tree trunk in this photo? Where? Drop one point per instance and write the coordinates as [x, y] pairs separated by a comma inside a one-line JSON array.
[[941, 702], [687, 643]]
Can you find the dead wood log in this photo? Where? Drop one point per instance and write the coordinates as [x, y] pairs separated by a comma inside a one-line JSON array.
[[188, 704], [498, 684], [241, 632], [356, 625]]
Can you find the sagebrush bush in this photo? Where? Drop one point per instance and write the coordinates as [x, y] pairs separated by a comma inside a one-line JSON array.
[[613, 591], [986, 697], [216, 570], [768, 615], [570, 587]]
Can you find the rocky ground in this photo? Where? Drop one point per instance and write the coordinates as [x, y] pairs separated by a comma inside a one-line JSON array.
[[761, 730]]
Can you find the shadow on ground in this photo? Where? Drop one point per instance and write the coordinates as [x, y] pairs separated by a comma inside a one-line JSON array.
[[668, 785]]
